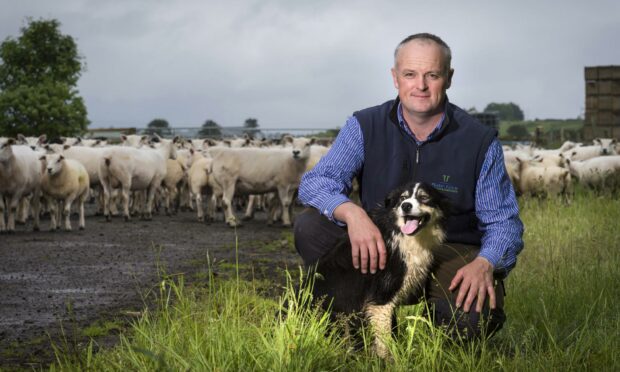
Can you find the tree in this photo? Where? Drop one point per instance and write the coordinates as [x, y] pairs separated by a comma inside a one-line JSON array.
[[210, 129], [38, 77], [506, 111], [159, 126], [251, 125]]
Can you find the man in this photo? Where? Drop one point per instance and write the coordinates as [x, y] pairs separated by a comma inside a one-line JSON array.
[[421, 136]]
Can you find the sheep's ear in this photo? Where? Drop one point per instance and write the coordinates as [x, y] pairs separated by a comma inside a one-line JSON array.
[[61, 158], [227, 142], [21, 137], [78, 140], [597, 140], [42, 158], [42, 139], [10, 141], [287, 139], [123, 137], [191, 151], [175, 139], [65, 147], [313, 140]]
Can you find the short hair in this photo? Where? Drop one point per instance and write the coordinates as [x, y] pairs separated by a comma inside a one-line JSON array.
[[427, 37]]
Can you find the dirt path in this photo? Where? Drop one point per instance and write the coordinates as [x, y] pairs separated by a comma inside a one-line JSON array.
[[80, 277]]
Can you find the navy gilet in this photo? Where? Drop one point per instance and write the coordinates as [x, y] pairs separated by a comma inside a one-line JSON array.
[[450, 161]]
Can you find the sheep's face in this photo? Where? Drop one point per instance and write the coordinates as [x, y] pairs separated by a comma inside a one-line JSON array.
[[5, 148], [53, 163], [300, 146]]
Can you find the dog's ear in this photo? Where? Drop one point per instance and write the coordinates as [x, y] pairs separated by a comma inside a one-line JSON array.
[[440, 200], [392, 198]]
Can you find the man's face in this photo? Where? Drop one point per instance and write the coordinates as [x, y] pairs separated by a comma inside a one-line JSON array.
[[421, 77]]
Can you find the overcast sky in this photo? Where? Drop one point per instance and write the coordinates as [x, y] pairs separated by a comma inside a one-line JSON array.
[[310, 64]]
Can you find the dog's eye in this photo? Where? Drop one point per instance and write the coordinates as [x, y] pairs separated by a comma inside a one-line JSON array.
[[403, 197], [423, 198]]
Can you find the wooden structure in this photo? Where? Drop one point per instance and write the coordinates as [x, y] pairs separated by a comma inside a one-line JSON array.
[[490, 119], [602, 102]]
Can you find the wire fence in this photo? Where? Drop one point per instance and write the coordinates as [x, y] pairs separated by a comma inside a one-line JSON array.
[[215, 133]]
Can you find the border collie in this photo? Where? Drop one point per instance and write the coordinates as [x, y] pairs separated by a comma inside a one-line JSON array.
[[410, 223]]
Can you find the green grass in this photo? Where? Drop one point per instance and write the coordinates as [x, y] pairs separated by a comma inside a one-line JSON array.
[[546, 125], [562, 306]]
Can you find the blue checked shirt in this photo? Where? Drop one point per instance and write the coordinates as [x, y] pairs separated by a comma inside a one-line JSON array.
[[330, 182]]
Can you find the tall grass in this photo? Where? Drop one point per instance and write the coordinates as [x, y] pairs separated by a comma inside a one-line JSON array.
[[562, 307]]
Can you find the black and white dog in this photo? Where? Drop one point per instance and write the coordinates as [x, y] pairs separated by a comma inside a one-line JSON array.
[[410, 222]]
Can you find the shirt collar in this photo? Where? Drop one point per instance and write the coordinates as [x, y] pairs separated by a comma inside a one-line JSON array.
[[405, 127]]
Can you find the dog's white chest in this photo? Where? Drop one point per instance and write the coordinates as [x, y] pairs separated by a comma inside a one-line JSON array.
[[418, 261]]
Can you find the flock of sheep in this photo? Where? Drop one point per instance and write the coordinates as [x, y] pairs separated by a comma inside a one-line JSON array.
[[143, 173], [541, 172]]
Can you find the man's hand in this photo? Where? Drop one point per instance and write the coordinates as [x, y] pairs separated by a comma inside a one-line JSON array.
[[474, 281], [366, 240]]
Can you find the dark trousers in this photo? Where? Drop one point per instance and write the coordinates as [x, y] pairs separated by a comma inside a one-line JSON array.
[[315, 235]]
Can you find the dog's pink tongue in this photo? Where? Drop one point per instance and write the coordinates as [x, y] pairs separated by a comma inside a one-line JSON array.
[[409, 227]]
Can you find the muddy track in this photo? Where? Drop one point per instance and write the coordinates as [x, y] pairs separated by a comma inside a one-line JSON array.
[[103, 272]]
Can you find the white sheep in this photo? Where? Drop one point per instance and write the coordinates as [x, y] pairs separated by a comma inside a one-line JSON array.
[[608, 145], [133, 169], [257, 171], [176, 176], [63, 182], [586, 152], [538, 180], [35, 143], [602, 172], [20, 176], [134, 140], [198, 179]]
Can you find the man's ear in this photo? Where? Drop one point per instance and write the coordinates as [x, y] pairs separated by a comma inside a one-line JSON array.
[[449, 80], [394, 72]]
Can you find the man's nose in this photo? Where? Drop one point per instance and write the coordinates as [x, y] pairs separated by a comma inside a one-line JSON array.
[[420, 83]]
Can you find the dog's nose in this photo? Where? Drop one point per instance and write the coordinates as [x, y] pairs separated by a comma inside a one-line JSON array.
[[406, 207]]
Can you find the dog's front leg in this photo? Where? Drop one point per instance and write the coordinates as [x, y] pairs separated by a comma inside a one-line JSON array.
[[380, 318]]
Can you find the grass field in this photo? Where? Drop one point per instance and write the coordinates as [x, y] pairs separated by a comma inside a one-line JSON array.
[[562, 305]]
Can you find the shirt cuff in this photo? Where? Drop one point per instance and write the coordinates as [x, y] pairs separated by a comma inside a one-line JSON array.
[[493, 257], [327, 209]]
